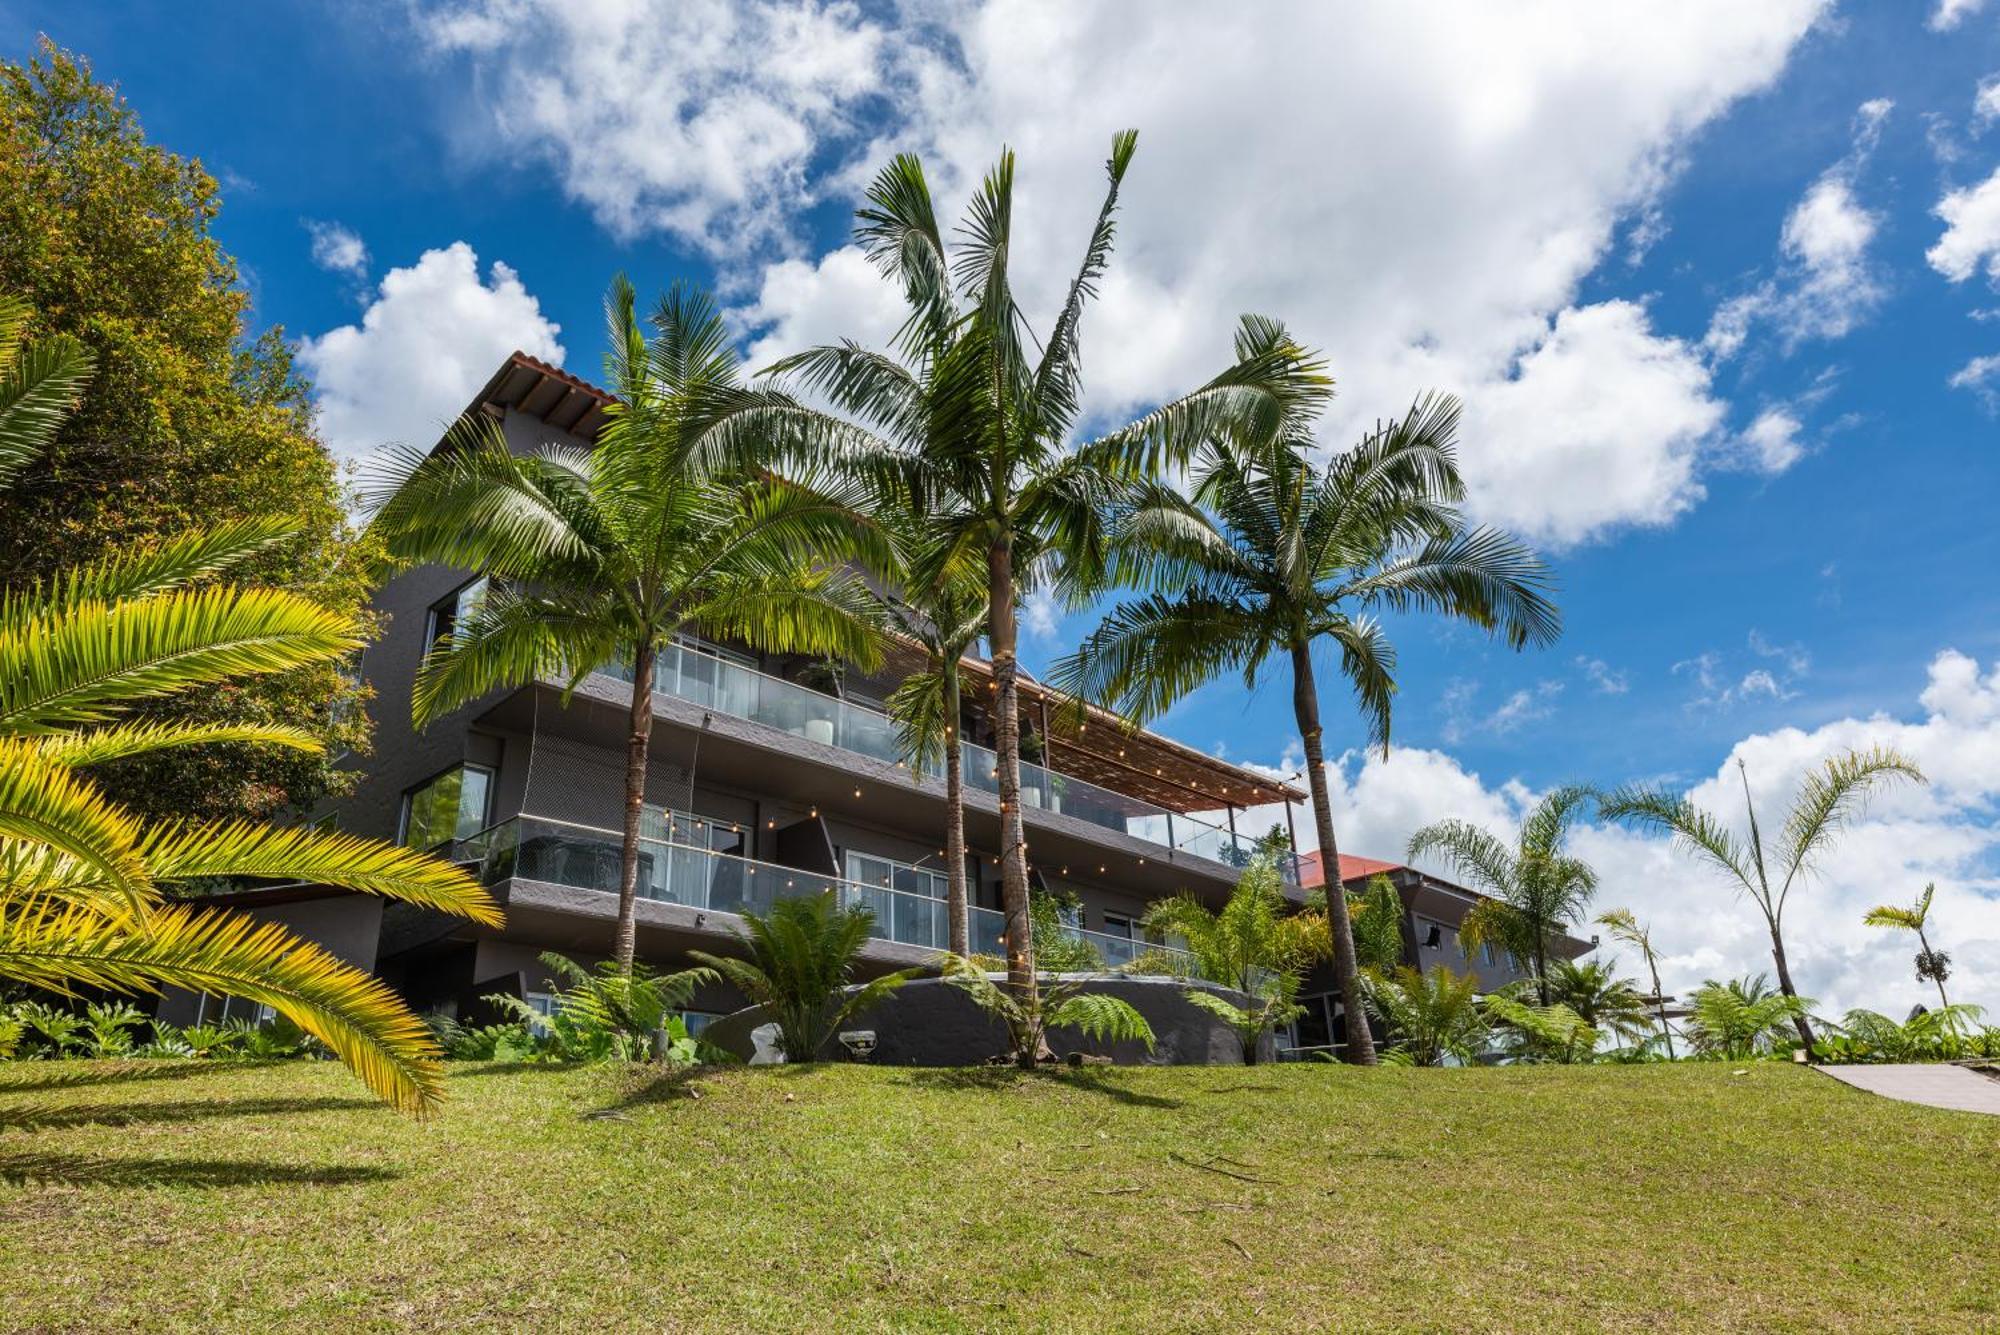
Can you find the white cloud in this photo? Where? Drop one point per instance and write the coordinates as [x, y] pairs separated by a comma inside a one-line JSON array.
[[1906, 837], [1986, 103], [1981, 375], [1717, 688], [1950, 13], [1603, 677], [1971, 236], [1542, 131], [1773, 440], [430, 338], [702, 119], [1826, 283], [1527, 705], [1606, 421], [338, 248], [1041, 615]]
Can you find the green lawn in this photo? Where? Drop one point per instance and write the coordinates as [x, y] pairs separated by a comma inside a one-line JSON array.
[[168, 1196]]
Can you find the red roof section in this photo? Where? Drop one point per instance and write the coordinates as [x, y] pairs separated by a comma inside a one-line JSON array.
[[1351, 869]]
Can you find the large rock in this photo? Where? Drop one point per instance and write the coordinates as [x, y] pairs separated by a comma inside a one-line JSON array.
[[931, 1022]]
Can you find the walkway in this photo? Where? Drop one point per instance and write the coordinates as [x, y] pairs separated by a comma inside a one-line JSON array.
[[1935, 1084]]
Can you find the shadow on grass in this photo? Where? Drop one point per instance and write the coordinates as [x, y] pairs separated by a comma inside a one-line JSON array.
[[32, 1116], [665, 1085], [35, 1076], [93, 1170], [1087, 1079]]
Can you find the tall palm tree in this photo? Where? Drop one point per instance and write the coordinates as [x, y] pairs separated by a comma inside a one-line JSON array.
[[1828, 798], [85, 888], [1271, 557], [945, 616], [605, 555], [1537, 888], [1934, 965], [969, 429], [1625, 926], [1599, 997]]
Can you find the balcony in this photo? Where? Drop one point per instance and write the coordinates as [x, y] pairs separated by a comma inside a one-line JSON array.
[[539, 849], [730, 688]]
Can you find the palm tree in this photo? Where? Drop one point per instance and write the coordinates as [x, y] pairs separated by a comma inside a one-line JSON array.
[[1599, 997], [1271, 557], [1624, 926], [85, 888], [1742, 1017], [969, 430], [1253, 946], [946, 618], [1934, 965], [1827, 799], [1430, 1015], [801, 956], [1537, 889], [605, 555]]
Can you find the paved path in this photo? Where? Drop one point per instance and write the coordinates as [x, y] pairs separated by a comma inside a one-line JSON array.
[[1935, 1084]]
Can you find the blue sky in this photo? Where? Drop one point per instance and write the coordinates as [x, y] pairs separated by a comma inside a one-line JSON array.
[[1699, 275]]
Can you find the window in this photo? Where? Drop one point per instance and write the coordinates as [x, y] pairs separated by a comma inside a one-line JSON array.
[[1120, 926], [674, 826], [1486, 951], [1433, 934], [450, 612], [451, 806], [879, 872], [218, 1010]]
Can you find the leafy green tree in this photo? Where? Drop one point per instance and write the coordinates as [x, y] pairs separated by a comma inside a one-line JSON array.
[[186, 419], [1626, 927], [1827, 799], [1932, 965], [1595, 993], [1254, 946], [967, 427], [1742, 1017], [603, 556], [1430, 1015], [801, 958], [606, 1014], [1537, 888], [84, 881], [1269, 557]]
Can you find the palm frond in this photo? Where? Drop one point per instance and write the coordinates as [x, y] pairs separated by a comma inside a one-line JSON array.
[[39, 387], [1833, 795], [118, 741]]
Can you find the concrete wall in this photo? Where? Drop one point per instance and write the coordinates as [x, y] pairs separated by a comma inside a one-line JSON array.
[[346, 925]]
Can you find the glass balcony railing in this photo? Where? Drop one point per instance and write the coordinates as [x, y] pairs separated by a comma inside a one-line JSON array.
[[539, 849], [731, 688]]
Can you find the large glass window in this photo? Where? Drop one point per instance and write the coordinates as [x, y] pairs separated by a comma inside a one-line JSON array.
[[451, 806], [449, 613], [887, 873]]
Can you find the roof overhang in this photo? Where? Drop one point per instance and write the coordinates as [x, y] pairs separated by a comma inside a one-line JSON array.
[[525, 384]]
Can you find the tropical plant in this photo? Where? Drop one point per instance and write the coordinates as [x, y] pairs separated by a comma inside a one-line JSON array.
[[1742, 1017], [1253, 946], [1932, 965], [110, 1025], [508, 1041], [1098, 1016], [1950, 1033], [1540, 1033], [1269, 557], [1595, 993], [1536, 887], [603, 556], [802, 955], [1430, 1016], [53, 1030], [1060, 950], [944, 613], [611, 1013], [84, 884], [1377, 918], [1625, 926], [166, 1040], [966, 427], [11, 1032], [206, 1040], [1827, 799]]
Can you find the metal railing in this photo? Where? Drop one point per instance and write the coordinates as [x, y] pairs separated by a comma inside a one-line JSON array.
[[731, 688], [538, 848]]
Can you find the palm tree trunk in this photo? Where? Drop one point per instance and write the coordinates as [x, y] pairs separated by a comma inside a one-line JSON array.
[[1007, 743], [626, 941], [1925, 942], [956, 907], [1660, 997], [1785, 985], [1541, 958], [1305, 706]]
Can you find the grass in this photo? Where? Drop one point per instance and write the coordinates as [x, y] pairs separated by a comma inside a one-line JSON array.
[[182, 1196]]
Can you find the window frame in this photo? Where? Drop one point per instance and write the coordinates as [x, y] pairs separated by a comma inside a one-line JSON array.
[[408, 805]]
